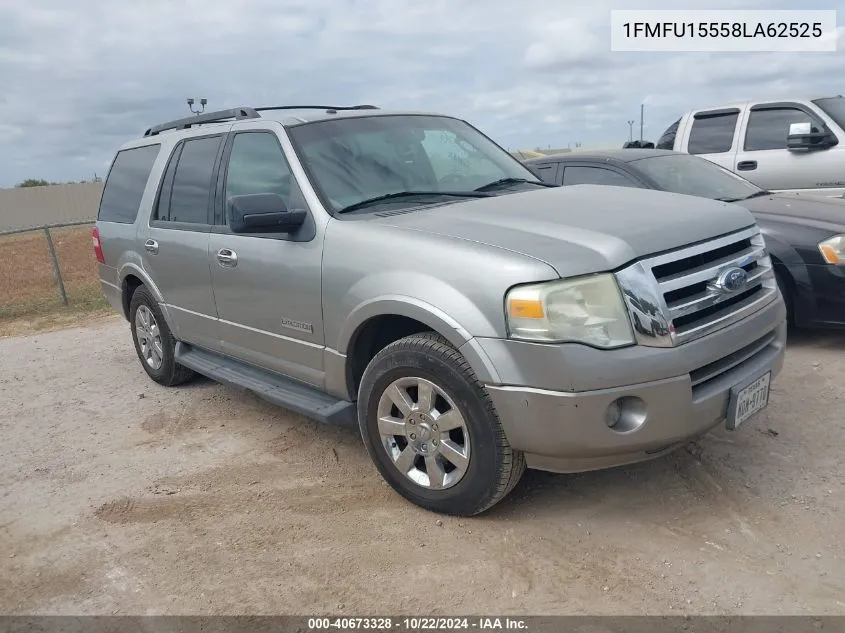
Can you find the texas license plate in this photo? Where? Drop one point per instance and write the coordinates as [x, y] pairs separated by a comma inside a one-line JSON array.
[[748, 401]]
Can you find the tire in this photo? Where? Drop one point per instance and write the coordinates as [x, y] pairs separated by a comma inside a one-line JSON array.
[[153, 340], [485, 467]]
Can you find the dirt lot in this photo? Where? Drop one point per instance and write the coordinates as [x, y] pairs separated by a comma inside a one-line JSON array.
[[27, 281], [120, 496]]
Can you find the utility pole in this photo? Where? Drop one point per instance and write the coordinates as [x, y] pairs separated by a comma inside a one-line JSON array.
[[642, 110], [630, 130]]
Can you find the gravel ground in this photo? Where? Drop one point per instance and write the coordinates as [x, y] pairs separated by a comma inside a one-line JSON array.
[[120, 496]]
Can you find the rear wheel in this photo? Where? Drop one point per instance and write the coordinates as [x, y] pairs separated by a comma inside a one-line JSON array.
[[431, 429], [153, 340]]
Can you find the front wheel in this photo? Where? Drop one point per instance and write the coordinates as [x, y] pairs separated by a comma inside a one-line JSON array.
[[153, 340], [431, 429]]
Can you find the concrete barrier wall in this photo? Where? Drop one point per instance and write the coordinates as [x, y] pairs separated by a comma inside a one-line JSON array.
[[33, 206]]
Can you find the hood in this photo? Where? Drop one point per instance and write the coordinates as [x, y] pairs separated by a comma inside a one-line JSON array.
[[827, 214], [579, 229]]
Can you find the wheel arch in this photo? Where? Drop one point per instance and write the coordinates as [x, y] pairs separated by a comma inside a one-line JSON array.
[[377, 323], [131, 278], [792, 271]]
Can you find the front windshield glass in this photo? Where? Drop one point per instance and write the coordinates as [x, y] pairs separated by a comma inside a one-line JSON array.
[[694, 176], [355, 159]]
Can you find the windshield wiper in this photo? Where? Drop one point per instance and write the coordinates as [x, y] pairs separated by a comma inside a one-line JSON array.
[[501, 182], [411, 194], [756, 194]]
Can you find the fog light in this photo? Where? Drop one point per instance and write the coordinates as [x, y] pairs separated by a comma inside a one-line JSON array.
[[626, 414]]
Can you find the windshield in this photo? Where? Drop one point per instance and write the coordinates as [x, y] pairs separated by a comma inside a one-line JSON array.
[[694, 176], [834, 107], [351, 160]]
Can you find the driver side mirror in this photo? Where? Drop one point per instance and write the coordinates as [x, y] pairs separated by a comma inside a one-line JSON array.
[[262, 213], [806, 136]]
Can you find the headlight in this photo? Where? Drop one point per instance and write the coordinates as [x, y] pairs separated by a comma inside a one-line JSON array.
[[586, 309], [833, 250]]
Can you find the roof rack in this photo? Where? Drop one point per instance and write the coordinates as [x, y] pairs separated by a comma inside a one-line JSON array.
[[318, 107], [207, 117], [242, 113]]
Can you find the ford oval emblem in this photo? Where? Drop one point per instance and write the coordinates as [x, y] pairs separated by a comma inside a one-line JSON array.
[[731, 279]]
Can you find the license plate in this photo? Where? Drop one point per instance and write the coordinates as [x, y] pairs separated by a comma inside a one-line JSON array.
[[748, 401]]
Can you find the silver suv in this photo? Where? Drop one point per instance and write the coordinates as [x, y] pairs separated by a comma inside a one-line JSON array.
[[403, 273]]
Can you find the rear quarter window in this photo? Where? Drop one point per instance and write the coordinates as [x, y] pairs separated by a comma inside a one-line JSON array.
[[125, 184]]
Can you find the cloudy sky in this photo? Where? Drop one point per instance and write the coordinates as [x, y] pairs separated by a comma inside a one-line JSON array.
[[78, 78]]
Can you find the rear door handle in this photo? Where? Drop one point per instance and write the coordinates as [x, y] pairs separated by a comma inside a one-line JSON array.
[[746, 165], [151, 246], [227, 258]]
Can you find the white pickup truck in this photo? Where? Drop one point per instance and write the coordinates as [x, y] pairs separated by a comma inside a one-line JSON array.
[[788, 145]]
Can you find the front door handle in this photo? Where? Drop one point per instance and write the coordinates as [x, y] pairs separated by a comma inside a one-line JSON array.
[[151, 246], [746, 165], [227, 258]]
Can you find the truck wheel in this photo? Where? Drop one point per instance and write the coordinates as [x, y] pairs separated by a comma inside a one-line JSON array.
[[154, 343], [431, 429]]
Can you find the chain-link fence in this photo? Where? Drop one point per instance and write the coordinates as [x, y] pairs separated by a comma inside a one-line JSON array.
[[48, 268]]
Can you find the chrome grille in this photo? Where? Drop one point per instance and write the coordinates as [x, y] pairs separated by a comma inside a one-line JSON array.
[[679, 296]]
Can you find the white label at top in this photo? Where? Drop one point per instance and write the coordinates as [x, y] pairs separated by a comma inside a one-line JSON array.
[[722, 31]]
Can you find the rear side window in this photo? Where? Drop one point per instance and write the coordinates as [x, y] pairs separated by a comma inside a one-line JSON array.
[[595, 176], [712, 133], [187, 186], [667, 140], [125, 184]]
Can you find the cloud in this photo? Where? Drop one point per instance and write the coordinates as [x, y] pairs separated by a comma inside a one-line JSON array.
[[78, 79]]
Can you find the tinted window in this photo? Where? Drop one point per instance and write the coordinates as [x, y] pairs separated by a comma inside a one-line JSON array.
[[667, 140], [125, 184], [768, 129], [712, 134], [595, 176], [189, 196], [546, 171], [834, 107], [257, 165]]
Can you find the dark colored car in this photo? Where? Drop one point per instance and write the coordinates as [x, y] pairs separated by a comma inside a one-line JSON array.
[[805, 234]]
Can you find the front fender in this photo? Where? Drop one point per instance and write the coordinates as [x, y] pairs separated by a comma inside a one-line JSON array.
[[431, 316], [789, 264], [437, 304], [405, 306]]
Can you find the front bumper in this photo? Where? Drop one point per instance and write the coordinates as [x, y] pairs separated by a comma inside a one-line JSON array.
[[828, 285], [558, 419]]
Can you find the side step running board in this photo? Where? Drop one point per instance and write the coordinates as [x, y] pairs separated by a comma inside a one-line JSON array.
[[287, 393]]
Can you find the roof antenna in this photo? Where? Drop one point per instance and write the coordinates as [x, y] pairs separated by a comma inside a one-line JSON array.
[[203, 101]]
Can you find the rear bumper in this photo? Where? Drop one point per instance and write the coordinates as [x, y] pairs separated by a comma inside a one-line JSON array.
[[565, 430], [113, 293]]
